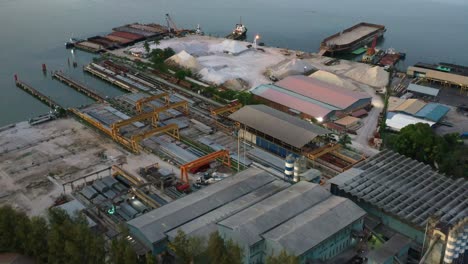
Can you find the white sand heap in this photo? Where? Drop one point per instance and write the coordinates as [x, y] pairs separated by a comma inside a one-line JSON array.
[[289, 67], [331, 78], [230, 46], [185, 60], [374, 76]]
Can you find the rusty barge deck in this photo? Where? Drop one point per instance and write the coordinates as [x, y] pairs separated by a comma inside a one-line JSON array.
[[351, 38]]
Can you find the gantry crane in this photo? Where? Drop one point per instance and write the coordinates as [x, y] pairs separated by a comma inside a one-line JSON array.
[[154, 116], [221, 154], [136, 181], [232, 107], [173, 128], [139, 104], [322, 151]]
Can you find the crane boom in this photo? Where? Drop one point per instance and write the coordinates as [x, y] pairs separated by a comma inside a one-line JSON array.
[[221, 154], [171, 24], [139, 104]]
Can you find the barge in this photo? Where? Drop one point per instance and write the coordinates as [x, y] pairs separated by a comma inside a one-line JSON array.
[[352, 38]]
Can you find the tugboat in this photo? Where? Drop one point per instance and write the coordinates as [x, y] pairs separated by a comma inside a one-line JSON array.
[[239, 32], [71, 43]]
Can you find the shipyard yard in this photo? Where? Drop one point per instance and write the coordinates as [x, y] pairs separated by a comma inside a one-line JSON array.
[[259, 144]]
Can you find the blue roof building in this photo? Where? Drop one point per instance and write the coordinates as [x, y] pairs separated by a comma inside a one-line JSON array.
[[433, 112]]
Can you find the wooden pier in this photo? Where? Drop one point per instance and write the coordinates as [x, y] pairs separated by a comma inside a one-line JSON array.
[[43, 98], [78, 86]]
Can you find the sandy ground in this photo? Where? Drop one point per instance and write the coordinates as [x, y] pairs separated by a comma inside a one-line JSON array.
[[251, 65], [36, 161]]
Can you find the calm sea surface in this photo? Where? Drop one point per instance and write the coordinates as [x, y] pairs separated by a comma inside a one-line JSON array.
[[33, 32]]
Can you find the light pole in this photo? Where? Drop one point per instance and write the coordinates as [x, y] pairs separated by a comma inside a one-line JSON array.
[[255, 40]]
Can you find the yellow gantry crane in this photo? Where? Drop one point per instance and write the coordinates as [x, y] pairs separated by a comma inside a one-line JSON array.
[[232, 107], [140, 103], [171, 129], [154, 116]]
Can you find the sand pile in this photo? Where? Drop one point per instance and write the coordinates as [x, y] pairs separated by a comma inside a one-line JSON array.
[[237, 84], [331, 78], [230, 46], [289, 67], [184, 60], [374, 76]]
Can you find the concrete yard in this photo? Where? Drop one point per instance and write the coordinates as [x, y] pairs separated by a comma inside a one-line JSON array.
[[36, 160]]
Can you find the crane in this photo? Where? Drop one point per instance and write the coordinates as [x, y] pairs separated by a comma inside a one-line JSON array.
[[371, 50], [130, 177], [221, 154], [139, 104], [171, 25], [322, 151], [173, 128], [154, 116], [232, 107]]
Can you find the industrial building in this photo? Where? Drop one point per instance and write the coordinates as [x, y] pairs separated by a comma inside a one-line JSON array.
[[311, 98], [403, 112], [305, 220], [260, 212], [276, 131], [408, 197], [152, 228], [441, 75]]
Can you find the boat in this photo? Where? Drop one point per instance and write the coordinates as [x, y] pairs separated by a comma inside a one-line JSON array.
[[351, 38], [239, 32], [71, 43]]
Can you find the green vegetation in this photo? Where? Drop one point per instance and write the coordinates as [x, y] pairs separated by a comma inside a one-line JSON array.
[[147, 47], [181, 74], [59, 239], [224, 96], [193, 250], [345, 140], [282, 258], [445, 153], [158, 56]]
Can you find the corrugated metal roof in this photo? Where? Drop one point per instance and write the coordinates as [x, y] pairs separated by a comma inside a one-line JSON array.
[[316, 224], [444, 76], [423, 89], [394, 103], [156, 223], [433, 111], [406, 188], [206, 224], [411, 106], [249, 224], [321, 91], [396, 121], [289, 129], [390, 248], [347, 120], [293, 101]]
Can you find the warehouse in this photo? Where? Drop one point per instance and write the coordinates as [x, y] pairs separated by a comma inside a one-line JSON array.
[[403, 193], [276, 131], [311, 98], [151, 229], [281, 221], [257, 209]]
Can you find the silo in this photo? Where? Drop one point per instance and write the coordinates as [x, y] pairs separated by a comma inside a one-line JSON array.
[[300, 165], [289, 166]]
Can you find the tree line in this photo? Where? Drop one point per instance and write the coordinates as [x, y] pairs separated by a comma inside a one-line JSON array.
[[193, 250], [446, 153], [59, 238]]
